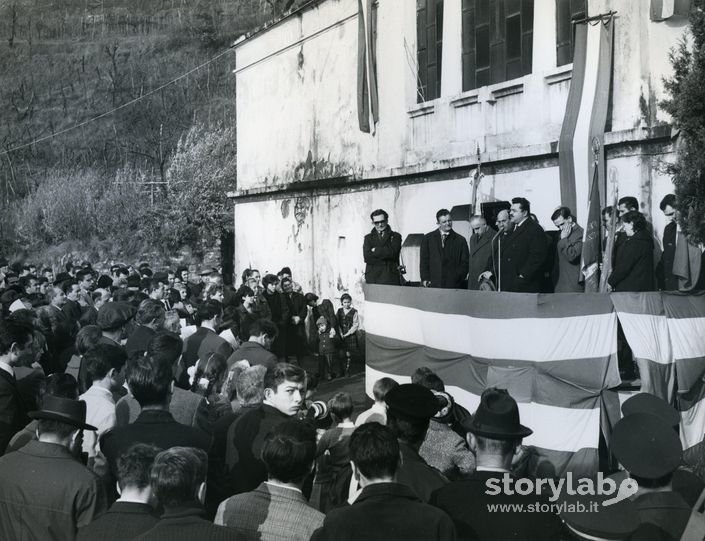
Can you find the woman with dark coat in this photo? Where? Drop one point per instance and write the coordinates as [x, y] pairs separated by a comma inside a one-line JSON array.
[[633, 261]]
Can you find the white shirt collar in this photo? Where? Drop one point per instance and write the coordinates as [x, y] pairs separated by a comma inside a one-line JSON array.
[[522, 222], [487, 468], [275, 484], [7, 368]]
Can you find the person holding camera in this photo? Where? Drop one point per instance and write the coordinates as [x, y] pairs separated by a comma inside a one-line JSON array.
[[381, 249]]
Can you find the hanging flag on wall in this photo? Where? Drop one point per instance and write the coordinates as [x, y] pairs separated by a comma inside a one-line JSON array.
[[592, 240], [367, 99], [586, 114]]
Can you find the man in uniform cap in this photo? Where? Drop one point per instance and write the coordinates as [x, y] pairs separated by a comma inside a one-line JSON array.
[[494, 435], [586, 517], [650, 450], [46, 492], [409, 410]]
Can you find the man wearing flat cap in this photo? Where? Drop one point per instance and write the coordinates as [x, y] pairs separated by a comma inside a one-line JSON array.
[[650, 450], [112, 320], [494, 435], [46, 492], [409, 411]]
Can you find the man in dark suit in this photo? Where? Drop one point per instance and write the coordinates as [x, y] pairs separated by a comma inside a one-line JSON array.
[[150, 319], [494, 435], [149, 380], [294, 343], [667, 281], [132, 514], [381, 249], [567, 275], [385, 509], [277, 509], [58, 329], [444, 255], [257, 350], [179, 483], [480, 249], [521, 255], [15, 338]]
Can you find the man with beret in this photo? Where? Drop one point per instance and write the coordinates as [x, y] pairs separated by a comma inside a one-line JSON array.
[[46, 493], [650, 450], [112, 320], [494, 435], [409, 411]]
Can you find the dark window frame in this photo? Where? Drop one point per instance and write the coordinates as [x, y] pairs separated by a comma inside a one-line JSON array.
[[429, 49], [566, 12]]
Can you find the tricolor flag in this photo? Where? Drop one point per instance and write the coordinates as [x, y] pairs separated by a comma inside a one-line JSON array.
[[367, 99], [585, 115], [665, 332], [555, 354]]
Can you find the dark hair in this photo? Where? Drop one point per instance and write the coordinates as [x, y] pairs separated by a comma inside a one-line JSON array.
[[82, 273], [607, 210], [135, 464], [88, 337], [250, 385], [97, 294], [57, 428], [213, 371], [502, 447], [242, 292], [442, 212], [379, 212], [166, 346], [382, 387], [310, 297], [101, 358], [209, 309], [281, 372], [177, 474], [375, 451], [563, 212], [668, 201], [148, 311], [14, 332], [264, 326], [246, 274], [523, 203], [149, 379], [433, 382], [286, 270], [269, 279], [286, 280], [289, 450], [66, 285], [636, 219], [345, 296], [341, 405], [629, 201], [407, 429], [419, 374], [57, 384]]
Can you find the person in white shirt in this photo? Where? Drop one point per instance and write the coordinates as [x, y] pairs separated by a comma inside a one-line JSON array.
[[378, 412]]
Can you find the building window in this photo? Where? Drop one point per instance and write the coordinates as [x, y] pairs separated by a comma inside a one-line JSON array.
[[497, 41], [566, 12], [429, 35]]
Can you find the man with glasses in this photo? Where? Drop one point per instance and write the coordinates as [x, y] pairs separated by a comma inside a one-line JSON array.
[[381, 249], [444, 255]]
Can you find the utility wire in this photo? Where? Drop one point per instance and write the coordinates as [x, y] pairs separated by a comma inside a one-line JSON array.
[[123, 106]]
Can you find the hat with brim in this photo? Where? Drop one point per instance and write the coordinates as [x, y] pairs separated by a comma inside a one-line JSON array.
[[497, 417], [587, 516], [412, 401], [646, 445], [208, 272], [66, 410], [649, 403]]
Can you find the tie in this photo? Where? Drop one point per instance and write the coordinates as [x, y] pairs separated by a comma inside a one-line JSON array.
[[443, 240]]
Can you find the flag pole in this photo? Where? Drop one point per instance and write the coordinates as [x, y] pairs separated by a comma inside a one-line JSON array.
[[611, 232]]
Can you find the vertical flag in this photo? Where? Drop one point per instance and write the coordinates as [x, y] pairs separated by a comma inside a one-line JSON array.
[[609, 242], [586, 114], [591, 240], [367, 99]]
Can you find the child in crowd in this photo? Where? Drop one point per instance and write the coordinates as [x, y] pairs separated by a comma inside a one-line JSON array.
[[348, 324], [332, 453], [326, 349], [207, 379]]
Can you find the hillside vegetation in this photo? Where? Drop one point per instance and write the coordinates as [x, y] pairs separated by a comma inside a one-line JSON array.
[[149, 176]]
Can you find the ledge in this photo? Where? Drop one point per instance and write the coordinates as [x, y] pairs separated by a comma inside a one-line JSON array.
[[564, 73], [422, 109], [464, 101], [506, 91]]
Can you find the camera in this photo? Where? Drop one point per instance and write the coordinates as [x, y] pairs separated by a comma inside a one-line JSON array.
[[402, 269]]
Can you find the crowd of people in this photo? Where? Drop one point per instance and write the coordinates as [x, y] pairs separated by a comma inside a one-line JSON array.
[[520, 256]]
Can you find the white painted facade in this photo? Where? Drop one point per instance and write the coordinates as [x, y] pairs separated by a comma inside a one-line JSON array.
[[308, 177]]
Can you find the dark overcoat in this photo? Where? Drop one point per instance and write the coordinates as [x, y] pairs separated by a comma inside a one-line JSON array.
[[444, 266], [480, 251], [382, 264], [521, 255], [633, 264]]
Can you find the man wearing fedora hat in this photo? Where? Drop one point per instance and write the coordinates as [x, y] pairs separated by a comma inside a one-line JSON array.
[[46, 493], [494, 435]]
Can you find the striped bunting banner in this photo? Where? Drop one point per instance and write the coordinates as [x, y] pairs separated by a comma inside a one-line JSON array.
[[665, 332], [555, 354]]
